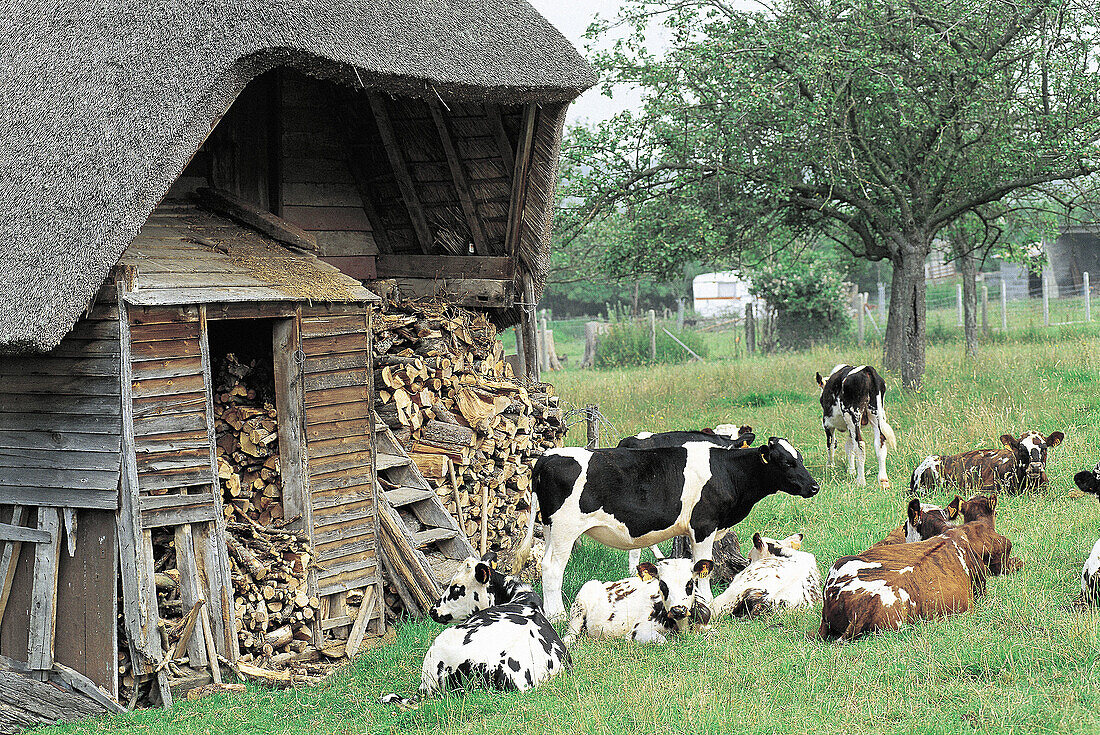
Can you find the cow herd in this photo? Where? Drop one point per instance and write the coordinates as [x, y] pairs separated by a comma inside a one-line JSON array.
[[699, 484]]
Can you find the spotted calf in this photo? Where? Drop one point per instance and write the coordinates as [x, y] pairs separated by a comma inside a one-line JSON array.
[[502, 638], [1020, 464], [890, 585], [663, 600], [779, 574], [1089, 482], [851, 398]]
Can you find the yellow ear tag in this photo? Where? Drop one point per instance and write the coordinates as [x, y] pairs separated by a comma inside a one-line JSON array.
[[763, 459], [796, 545], [645, 575]]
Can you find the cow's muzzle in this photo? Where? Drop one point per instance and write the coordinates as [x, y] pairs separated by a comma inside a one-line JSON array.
[[810, 491], [444, 619], [678, 613], [1035, 470]]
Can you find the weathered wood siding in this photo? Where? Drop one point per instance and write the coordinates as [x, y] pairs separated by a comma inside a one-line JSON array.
[[319, 191], [340, 444], [60, 419]]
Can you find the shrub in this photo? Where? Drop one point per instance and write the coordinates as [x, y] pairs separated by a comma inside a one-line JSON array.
[[808, 298], [627, 343]]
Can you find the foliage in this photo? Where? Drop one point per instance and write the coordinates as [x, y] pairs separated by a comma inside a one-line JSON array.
[[627, 343], [874, 122], [807, 296]]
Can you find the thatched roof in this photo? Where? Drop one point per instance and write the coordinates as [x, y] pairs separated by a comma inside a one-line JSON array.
[[103, 107]]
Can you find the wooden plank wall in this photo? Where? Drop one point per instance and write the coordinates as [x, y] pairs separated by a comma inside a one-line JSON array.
[[340, 445], [319, 192], [60, 419]]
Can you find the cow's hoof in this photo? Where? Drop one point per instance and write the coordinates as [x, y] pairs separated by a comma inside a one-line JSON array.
[[884, 482], [860, 482]]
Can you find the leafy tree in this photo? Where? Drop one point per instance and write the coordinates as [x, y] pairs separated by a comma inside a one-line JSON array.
[[874, 122]]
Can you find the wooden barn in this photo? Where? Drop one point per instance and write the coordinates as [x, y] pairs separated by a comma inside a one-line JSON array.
[[216, 195]]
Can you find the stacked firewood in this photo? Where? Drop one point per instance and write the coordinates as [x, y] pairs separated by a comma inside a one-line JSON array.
[[246, 425], [473, 429]]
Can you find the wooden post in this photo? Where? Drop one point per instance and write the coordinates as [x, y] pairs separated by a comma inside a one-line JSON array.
[[959, 301], [750, 331], [43, 613], [592, 423], [529, 325], [882, 298], [484, 518], [1046, 298], [591, 332], [652, 336], [1004, 305], [680, 314], [985, 310], [860, 309], [1088, 296], [544, 351], [521, 354]]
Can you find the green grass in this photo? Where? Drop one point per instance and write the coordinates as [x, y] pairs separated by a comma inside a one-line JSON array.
[[1023, 661]]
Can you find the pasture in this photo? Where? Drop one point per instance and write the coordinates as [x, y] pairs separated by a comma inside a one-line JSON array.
[[1025, 661]]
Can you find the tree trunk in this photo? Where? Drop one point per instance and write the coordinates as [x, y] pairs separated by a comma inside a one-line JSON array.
[[968, 268], [905, 324]]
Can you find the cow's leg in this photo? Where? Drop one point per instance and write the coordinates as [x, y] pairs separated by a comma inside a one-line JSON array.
[[558, 549], [703, 550], [856, 455], [633, 559], [880, 453]]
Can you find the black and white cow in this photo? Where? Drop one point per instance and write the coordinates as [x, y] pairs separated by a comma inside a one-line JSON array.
[[779, 574], [661, 601], [502, 639], [1089, 482], [852, 397], [633, 498], [723, 435]]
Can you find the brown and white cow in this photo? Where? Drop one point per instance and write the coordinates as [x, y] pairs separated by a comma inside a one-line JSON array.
[[923, 521], [1020, 464], [852, 397], [890, 585]]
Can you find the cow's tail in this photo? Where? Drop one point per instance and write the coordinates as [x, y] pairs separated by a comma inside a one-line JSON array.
[[400, 702], [523, 553], [885, 428]]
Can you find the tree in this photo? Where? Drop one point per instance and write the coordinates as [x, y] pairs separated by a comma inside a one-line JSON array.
[[874, 122]]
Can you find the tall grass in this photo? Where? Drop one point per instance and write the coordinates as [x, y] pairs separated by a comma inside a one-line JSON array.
[[1023, 661]]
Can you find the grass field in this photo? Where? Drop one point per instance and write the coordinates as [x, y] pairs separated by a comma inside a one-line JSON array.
[[1023, 661]]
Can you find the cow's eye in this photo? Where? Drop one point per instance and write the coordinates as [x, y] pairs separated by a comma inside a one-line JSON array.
[[690, 587]]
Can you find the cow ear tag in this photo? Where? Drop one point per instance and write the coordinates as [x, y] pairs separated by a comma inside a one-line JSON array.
[[953, 508], [647, 571], [797, 543], [482, 573], [703, 568], [764, 457]]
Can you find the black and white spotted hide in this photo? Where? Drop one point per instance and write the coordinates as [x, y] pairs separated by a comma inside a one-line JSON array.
[[851, 398], [502, 638], [1089, 481], [779, 574], [664, 599]]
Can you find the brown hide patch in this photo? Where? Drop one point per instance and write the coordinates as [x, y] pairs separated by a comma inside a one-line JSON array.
[[981, 469]]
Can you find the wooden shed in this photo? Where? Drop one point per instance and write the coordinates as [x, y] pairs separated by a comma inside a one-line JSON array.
[[237, 178]]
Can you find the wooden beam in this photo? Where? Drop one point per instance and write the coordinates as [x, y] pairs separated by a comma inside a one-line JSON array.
[[290, 399], [444, 266], [43, 617], [504, 146], [9, 560], [519, 182], [81, 684], [458, 176], [271, 225], [361, 176], [401, 172], [22, 533], [58, 497], [471, 292]]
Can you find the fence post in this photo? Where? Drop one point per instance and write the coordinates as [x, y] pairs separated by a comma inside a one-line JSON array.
[[680, 314], [1004, 305], [861, 306], [1046, 299], [1088, 296], [544, 352], [652, 335], [959, 302], [882, 298], [750, 331], [592, 424], [985, 310]]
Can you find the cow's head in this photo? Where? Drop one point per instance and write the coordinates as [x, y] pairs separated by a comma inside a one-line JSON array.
[[763, 547], [783, 465], [979, 508], [925, 521], [1089, 480], [678, 580], [468, 592], [741, 436], [1031, 453]]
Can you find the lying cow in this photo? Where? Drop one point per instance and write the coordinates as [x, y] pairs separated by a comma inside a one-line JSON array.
[[923, 521], [633, 498], [852, 397], [723, 435], [661, 601], [502, 639], [887, 586], [1089, 481], [1020, 464], [779, 574]]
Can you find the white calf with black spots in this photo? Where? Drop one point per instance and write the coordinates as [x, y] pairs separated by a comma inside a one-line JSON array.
[[661, 601], [502, 639], [851, 398], [779, 574]]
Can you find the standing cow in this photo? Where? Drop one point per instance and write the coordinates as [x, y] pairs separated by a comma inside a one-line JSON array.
[[1020, 464], [633, 498], [851, 398]]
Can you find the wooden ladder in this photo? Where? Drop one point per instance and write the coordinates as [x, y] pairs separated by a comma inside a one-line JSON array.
[[422, 544]]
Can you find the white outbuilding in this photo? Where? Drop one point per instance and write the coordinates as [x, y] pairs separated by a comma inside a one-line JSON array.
[[722, 294]]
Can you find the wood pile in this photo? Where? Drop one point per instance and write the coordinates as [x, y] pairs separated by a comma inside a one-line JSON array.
[[246, 427], [473, 429]]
